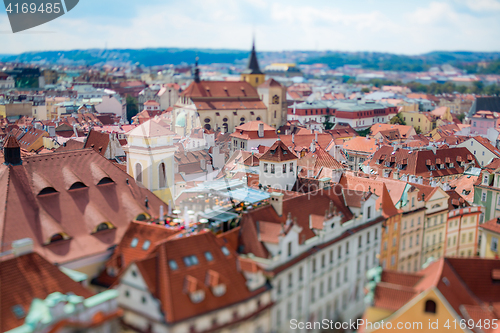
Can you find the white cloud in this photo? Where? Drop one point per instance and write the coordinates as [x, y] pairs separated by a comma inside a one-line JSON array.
[[279, 25]]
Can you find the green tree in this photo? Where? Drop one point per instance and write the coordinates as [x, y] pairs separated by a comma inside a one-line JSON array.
[[365, 90], [327, 124], [132, 107], [397, 119], [364, 132]]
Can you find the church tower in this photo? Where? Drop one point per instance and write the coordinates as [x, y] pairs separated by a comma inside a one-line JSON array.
[[253, 74]]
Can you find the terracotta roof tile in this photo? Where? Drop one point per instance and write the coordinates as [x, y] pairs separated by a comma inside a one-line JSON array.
[[27, 277], [75, 212], [278, 152]]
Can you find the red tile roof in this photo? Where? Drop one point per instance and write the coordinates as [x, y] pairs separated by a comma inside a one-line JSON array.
[[492, 225], [318, 201], [418, 162], [27, 277], [249, 131], [361, 144], [42, 189], [278, 153], [461, 281], [172, 287], [97, 141], [142, 232]]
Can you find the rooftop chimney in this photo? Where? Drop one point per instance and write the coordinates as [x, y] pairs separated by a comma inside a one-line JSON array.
[[277, 202], [261, 130], [22, 246], [12, 151]]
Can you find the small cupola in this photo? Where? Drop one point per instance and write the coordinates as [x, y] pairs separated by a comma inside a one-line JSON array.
[[12, 151]]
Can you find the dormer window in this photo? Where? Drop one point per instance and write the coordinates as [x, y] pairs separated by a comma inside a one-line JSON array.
[[57, 237], [134, 242], [103, 226], [146, 245], [197, 296], [485, 179], [219, 290], [105, 180], [77, 185], [47, 190]]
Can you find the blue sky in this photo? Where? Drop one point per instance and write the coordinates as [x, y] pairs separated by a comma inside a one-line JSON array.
[[404, 26]]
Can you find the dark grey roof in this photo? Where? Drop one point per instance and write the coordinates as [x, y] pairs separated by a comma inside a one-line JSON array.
[[486, 104]]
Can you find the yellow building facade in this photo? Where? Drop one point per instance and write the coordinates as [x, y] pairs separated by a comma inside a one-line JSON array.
[[435, 225], [462, 232], [490, 238], [415, 316], [418, 120]]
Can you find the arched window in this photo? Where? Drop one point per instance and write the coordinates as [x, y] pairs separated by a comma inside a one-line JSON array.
[[162, 175], [56, 238], [430, 306], [103, 226], [276, 99], [208, 127], [138, 173]]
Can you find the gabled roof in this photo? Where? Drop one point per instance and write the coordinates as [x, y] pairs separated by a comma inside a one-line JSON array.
[[377, 187], [404, 130], [25, 278], [320, 158], [270, 83], [278, 153], [300, 207], [97, 141]]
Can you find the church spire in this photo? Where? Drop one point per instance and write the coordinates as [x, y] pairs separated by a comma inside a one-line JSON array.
[[196, 72], [253, 64]]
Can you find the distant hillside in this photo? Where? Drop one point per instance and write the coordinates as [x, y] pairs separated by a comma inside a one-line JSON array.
[[177, 56], [147, 57], [394, 62]]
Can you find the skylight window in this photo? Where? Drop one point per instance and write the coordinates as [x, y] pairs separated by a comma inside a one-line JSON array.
[[190, 260], [209, 256], [173, 265], [19, 311], [146, 244], [225, 251], [134, 242]]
